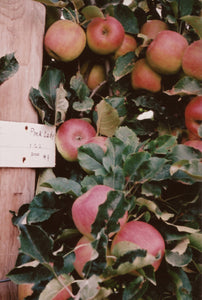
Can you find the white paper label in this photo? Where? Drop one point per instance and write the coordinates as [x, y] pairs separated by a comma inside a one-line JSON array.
[[27, 145]]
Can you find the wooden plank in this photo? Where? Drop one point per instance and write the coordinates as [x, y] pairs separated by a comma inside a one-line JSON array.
[[21, 31]]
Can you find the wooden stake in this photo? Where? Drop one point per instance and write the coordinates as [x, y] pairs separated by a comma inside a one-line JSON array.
[[22, 24]]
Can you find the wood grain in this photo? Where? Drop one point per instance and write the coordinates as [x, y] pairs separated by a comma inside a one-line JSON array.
[[21, 31]]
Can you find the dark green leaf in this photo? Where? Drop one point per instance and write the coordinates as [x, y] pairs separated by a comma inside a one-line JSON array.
[[151, 189], [49, 82], [129, 138], [29, 274], [124, 65], [182, 151], [78, 85], [90, 157], [35, 242], [135, 289], [125, 15], [192, 168], [113, 155], [195, 22], [133, 162], [185, 7], [68, 263], [181, 284], [162, 144], [42, 207], [8, 67], [110, 212], [119, 104]]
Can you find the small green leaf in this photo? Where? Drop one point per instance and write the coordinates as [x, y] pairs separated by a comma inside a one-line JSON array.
[[127, 18], [177, 260], [35, 243], [78, 85], [185, 7], [115, 179], [8, 67], [135, 289], [134, 161], [193, 168], [181, 284], [113, 155], [162, 144], [83, 105], [196, 241]]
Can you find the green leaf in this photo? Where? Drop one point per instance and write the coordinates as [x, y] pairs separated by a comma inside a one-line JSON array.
[[161, 145], [196, 241], [184, 151], [193, 168], [56, 288], [90, 157], [44, 176], [42, 207], [113, 155], [118, 103], [108, 119], [68, 261], [177, 260], [115, 179], [49, 82], [181, 283], [185, 7], [124, 65], [78, 85], [84, 105], [62, 185], [195, 22], [151, 189], [134, 162], [88, 288], [8, 67], [30, 274], [186, 86], [35, 243], [126, 17], [135, 289], [110, 212]]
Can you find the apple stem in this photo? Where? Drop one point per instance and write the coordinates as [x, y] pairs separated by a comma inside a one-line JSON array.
[[76, 11], [97, 88], [73, 18]]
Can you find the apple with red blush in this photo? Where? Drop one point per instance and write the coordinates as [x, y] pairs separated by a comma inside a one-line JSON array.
[[85, 209], [104, 35], [193, 116], [65, 40], [152, 27], [139, 235], [129, 44], [72, 134]]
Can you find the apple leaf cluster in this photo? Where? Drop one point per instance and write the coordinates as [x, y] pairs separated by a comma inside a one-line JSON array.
[[154, 176]]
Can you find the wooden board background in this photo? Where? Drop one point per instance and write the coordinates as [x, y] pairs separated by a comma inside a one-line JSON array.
[[21, 31]]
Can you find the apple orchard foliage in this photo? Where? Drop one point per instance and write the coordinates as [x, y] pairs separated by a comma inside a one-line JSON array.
[[156, 178]]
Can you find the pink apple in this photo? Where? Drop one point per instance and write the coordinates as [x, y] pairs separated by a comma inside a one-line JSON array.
[[152, 27], [142, 235], [192, 60], [197, 144], [72, 134], [193, 116], [104, 35], [83, 253], [165, 53], [65, 40], [144, 77], [129, 44], [85, 208]]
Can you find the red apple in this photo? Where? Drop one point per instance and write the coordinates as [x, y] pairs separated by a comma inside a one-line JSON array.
[[193, 115], [165, 52], [83, 253], [144, 77], [152, 27], [94, 74], [99, 140], [85, 208], [129, 44], [65, 40], [197, 144], [141, 235], [104, 35], [72, 134], [192, 60]]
